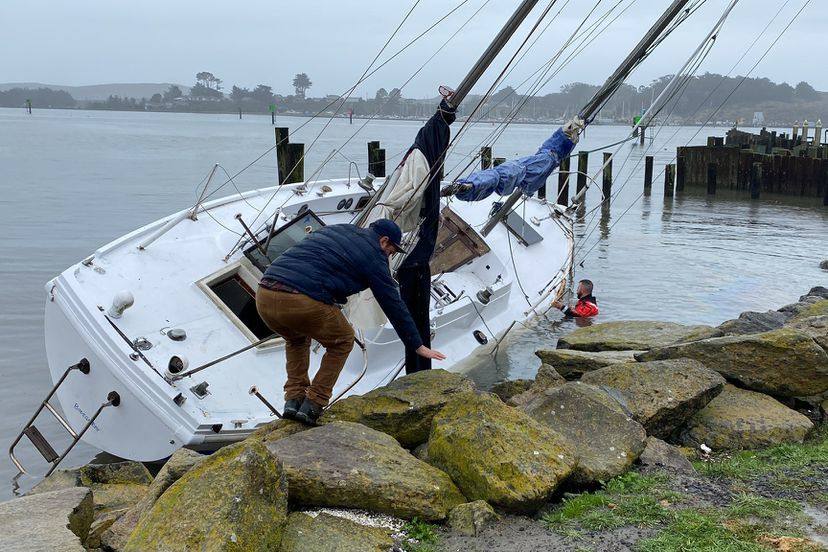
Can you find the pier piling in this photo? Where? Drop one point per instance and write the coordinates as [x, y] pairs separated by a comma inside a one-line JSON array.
[[376, 159], [289, 158], [563, 181], [681, 173], [669, 180], [583, 170], [711, 178], [648, 175], [755, 180], [606, 184], [486, 157]]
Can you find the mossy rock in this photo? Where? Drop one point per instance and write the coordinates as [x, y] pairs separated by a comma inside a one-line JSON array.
[[630, 335], [124, 472], [817, 308], [405, 407], [278, 429], [471, 518], [741, 419], [117, 496], [328, 533], [660, 455], [235, 500], [604, 438], [505, 390], [349, 465], [546, 378], [754, 322], [572, 364], [499, 454], [814, 326], [783, 363], [660, 395]]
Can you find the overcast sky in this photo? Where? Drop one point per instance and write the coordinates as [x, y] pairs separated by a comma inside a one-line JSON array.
[[257, 41]]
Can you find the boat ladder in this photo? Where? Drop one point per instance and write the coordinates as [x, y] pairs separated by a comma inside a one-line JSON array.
[[36, 437]]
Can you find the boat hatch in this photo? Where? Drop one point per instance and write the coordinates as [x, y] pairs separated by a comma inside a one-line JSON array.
[[522, 229], [457, 243], [284, 238], [240, 298]]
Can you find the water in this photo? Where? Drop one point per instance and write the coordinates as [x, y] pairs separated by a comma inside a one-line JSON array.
[[74, 180]]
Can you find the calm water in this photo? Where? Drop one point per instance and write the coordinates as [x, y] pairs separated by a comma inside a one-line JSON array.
[[71, 181]]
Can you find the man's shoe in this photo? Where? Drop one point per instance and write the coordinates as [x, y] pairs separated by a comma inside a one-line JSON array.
[[292, 406], [309, 412]]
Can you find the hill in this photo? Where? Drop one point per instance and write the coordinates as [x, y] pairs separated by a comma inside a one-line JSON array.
[[100, 92]]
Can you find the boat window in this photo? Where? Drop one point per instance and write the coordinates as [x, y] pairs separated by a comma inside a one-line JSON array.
[[522, 229], [240, 298], [284, 238]]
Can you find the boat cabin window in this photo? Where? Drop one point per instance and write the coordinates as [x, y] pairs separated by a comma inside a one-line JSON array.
[[284, 238], [522, 229], [238, 296]]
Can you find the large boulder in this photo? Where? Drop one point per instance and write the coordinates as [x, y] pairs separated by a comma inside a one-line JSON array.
[[741, 419], [754, 322], [659, 455], [546, 378], [344, 464], [123, 472], [507, 389], [817, 308], [499, 454], [115, 536], [824, 265], [307, 532], [814, 326], [51, 520], [278, 429], [820, 292], [471, 518], [234, 500], [661, 395], [572, 364], [405, 407], [604, 438], [804, 303], [785, 362], [633, 335]]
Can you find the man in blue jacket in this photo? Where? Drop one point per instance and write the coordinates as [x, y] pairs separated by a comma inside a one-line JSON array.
[[299, 295]]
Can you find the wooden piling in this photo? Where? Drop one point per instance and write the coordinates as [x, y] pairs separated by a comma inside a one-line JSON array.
[[498, 161], [642, 135], [563, 181], [711, 178], [648, 175], [681, 173], [290, 158], [669, 180], [583, 170], [486, 157], [755, 180], [376, 159], [606, 184]]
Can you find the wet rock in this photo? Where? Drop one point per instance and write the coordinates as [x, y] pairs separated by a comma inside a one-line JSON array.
[[115, 536], [572, 364], [405, 407], [741, 419], [505, 390], [817, 291], [816, 308], [604, 438], [499, 454], [278, 429], [633, 335], [814, 326], [660, 455], [546, 378], [345, 464], [472, 517], [754, 322], [824, 265], [53, 520], [795, 308], [661, 395], [235, 499], [784, 363], [306, 532]]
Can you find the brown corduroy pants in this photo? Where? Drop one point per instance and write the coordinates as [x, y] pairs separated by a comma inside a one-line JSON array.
[[298, 319]]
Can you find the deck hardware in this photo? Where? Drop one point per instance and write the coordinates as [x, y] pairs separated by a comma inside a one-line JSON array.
[[134, 356], [485, 295], [142, 344], [255, 392], [237, 424], [216, 428], [175, 377], [121, 302], [367, 183], [480, 337], [179, 399], [250, 234], [324, 190], [177, 334], [200, 390]]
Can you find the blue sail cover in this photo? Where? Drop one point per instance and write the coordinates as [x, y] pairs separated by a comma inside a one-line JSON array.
[[527, 173]]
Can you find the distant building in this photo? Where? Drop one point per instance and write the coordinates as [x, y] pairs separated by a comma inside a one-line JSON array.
[[759, 119]]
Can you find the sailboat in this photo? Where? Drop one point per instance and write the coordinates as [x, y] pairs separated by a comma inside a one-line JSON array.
[[154, 342]]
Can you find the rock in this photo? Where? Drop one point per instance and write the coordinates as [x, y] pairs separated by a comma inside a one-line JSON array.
[[405, 407], [817, 291], [53, 520], [505, 390], [817, 308], [633, 335], [546, 378], [115, 536], [660, 455], [472, 517], [278, 429], [572, 364], [741, 419], [94, 475], [754, 322], [421, 452], [661, 395], [100, 526], [795, 308], [499, 454], [116, 497], [824, 265], [823, 408], [60, 479], [345, 464], [814, 326], [784, 363], [323, 532], [604, 438], [235, 499]]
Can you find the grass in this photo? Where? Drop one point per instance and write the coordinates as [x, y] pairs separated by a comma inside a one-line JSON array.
[[422, 536]]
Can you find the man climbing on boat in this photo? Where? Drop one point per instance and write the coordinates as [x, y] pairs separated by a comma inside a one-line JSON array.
[[299, 297], [585, 307]]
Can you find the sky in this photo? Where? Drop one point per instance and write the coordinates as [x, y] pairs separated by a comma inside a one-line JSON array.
[[256, 41]]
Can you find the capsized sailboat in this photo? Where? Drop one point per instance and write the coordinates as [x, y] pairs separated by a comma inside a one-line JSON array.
[[154, 342]]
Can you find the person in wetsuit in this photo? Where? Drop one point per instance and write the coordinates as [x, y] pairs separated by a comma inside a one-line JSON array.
[[585, 307]]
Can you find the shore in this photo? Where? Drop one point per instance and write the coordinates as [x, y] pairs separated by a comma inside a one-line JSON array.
[[634, 435]]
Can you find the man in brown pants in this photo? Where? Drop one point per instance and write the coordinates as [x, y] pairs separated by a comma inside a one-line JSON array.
[[299, 295]]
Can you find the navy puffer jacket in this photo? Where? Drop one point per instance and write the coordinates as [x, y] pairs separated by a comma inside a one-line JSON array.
[[340, 260]]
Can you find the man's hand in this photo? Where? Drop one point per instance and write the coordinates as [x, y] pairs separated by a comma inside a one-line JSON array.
[[557, 304], [425, 352]]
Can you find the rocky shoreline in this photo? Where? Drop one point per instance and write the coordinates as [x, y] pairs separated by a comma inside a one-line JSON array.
[[634, 435]]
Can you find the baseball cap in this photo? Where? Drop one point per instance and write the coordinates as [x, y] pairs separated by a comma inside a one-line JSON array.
[[389, 229]]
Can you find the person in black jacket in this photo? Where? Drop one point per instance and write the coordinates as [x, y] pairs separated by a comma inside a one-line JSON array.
[[414, 273], [298, 298]]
